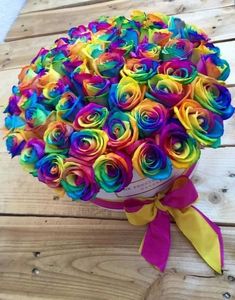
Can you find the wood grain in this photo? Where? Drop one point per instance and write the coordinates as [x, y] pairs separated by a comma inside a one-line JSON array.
[[23, 194], [38, 5], [98, 260], [219, 22]]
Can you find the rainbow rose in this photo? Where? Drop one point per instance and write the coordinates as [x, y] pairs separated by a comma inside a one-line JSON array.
[[140, 69], [148, 50], [36, 115], [213, 96], [124, 42], [166, 90], [12, 107], [181, 148], [121, 129], [13, 122], [92, 51], [203, 49], [156, 36], [194, 34], [88, 144], [27, 79], [203, 125], [34, 112], [113, 171], [32, 152], [78, 180], [212, 65], [80, 33], [101, 24], [15, 142], [53, 92], [68, 107], [126, 94], [108, 64], [177, 48], [157, 20], [182, 71], [50, 169], [150, 116], [150, 161], [181, 30], [29, 98], [57, 137], [95, 88], [91, 116], [106, 35]]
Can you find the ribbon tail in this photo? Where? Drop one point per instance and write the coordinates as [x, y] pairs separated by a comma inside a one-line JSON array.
[[204, 235], [156, 242]]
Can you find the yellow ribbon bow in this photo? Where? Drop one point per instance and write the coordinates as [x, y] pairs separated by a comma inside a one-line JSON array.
[[204, 235]]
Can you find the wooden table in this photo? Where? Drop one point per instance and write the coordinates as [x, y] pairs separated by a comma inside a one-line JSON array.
[[53, 248]]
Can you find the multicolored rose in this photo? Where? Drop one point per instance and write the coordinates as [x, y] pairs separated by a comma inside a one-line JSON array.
[[78, 180], [213, 96], [140, 69], [88, 144], [182, 71], [94, 88], [91, 116], [148, 50], [15, 142], [50, 168], [177, 48], [113, 171], [169, 92], [182, 149], [68, 107], [150, 116], [33, 151], [109, 65], [203, 125], [121, 129], [57, 137], [126, 94], [125, 42], [149, 160], [212, 65]]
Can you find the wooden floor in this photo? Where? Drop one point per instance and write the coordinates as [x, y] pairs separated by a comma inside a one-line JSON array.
[[51, 248]]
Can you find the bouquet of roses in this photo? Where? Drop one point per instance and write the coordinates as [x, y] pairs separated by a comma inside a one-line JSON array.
[[121, 97]]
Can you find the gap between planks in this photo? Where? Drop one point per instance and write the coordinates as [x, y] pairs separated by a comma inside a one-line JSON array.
[[13, 215]]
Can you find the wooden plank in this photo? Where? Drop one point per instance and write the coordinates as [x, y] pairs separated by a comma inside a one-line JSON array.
[[219, 23], [23, 194], [98, 260], [38, 5]]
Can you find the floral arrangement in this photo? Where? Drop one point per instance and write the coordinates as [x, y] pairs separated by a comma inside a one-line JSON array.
[[120, 95]]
